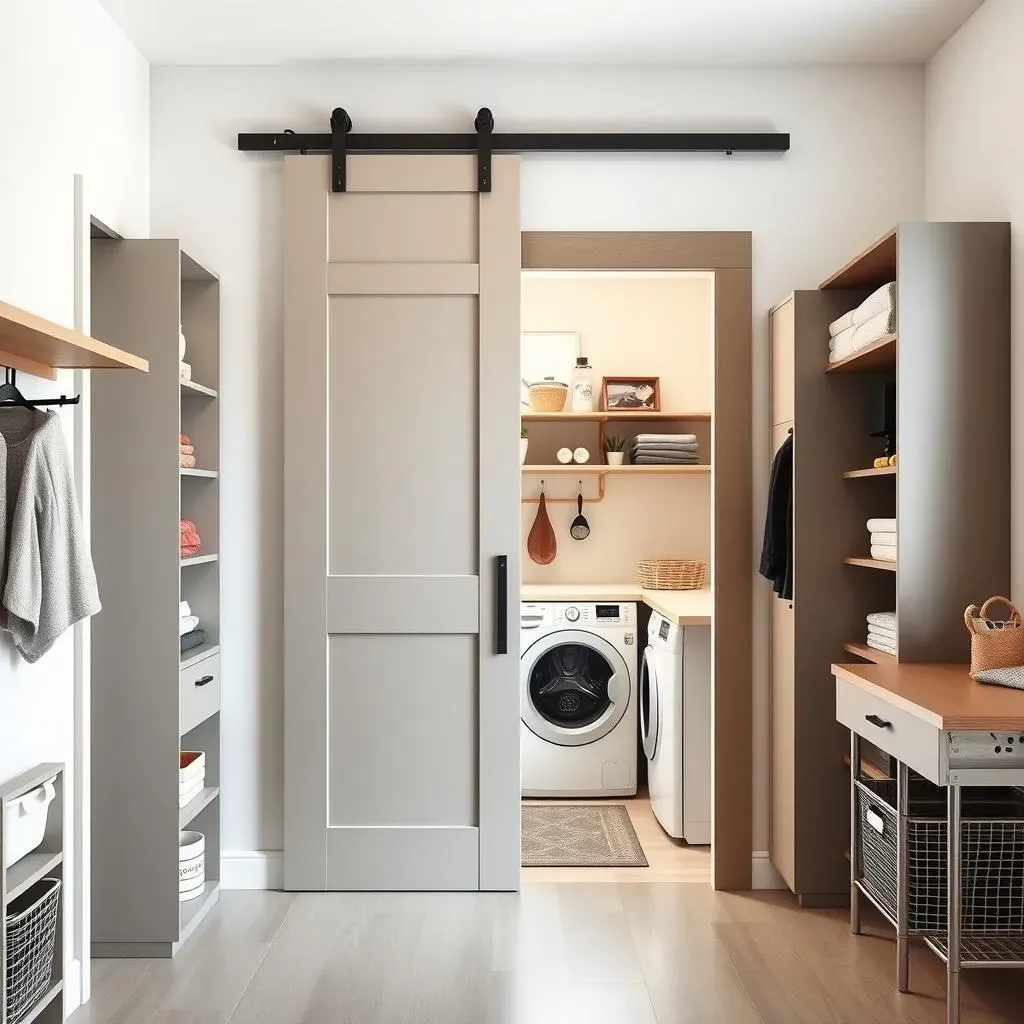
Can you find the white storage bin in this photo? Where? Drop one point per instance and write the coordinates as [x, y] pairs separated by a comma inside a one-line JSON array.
[[191, 766], [25, 822], [191, 865]]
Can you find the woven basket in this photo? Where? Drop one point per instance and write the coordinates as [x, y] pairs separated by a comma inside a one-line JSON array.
[[548, 396], [672, 573], [994, 648]]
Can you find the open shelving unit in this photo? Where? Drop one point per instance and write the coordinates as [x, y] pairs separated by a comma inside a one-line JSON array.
[[573, 469], [614, 416], [871, 563], [858, 474], [150, 700]]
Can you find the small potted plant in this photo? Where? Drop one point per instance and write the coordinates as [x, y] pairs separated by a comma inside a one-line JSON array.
[[524, 443], [614, 446]]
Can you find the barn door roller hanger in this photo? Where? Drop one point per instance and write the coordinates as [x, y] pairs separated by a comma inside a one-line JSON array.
[[342, 140]]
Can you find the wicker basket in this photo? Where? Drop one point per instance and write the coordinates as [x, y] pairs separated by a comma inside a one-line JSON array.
[[672, 573], [548, 396], [1002, 647]]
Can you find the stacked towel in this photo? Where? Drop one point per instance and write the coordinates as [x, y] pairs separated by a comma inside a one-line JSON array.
[[186, 452], [882, 632], [189, 633], [883, 539], [665, 450], [874, 318], [185, 372], [189, 540]]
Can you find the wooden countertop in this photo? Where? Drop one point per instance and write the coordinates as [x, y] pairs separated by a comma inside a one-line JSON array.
[[945, 696], [684, 607]]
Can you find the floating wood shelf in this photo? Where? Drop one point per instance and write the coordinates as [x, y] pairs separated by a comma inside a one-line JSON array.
[[871, 563], [868, 653], [39, 347], [867, 769], [856, 474], [603, 470], [614, 417], [878, 357], [872, 268]]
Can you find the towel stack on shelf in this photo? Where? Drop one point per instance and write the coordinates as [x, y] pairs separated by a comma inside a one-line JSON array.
[[883, 539], [189, 541], [186, 452], [873, 319], [665, 450], [189, 632], [882, 632]]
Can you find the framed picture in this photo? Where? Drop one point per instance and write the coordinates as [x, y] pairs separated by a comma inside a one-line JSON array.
[[631, 394], [547, 354]]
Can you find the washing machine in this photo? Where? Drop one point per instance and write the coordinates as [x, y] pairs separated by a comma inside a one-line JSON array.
[[675, 726], [578, 668]]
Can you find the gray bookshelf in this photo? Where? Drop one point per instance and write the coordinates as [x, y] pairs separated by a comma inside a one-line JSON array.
[[150, 701]]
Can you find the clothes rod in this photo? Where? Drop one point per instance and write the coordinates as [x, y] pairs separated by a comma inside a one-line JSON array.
[[340, 141]]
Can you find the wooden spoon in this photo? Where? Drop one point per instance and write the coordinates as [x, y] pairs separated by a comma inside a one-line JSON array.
[[541, 544]]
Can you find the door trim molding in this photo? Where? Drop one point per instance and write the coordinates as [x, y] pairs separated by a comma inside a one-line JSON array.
[[728, 255]]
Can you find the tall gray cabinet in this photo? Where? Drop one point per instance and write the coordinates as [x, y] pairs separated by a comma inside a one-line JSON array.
[[149, 701], [950, 491]]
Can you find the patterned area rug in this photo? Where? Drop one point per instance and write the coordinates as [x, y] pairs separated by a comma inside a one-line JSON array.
[[580, 836]]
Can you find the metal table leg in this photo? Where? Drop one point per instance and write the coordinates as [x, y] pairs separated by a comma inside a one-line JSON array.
[[902, 904], [854, 835], [953, 904]]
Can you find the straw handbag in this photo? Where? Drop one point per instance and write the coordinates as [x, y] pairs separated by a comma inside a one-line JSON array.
[[995, 643]]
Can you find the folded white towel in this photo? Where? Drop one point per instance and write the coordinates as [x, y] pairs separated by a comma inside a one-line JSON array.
[[657, 438], [881, 645], [841, 324], [184, 609], [871, 330], [884, 552], [887, 620], [187, 623], [843, 344], [881, 526], [883, 538], [185, 372], [882, 300], [882, 633]]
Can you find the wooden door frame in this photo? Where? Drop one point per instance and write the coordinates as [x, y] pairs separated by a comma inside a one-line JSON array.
[[727, 254]]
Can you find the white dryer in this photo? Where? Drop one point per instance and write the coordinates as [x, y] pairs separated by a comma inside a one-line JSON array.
[[578, 699], [675, 725]]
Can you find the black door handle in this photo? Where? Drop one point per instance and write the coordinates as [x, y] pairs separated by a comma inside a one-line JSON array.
[[881, 723], [501, 604], [204, 680]]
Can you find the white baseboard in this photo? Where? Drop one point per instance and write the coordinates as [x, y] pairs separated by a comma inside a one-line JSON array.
[[763, 873], [72, 987], [252, 869]]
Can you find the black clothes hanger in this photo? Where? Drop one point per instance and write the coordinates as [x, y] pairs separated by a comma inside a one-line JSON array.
[[12, 398]]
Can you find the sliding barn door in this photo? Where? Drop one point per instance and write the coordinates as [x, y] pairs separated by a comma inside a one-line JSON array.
[[401, 500]]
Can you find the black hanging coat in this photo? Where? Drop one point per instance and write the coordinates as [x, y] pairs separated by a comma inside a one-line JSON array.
[[777, 552]]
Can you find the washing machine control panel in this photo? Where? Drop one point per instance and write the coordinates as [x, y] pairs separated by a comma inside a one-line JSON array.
[[610, 614]]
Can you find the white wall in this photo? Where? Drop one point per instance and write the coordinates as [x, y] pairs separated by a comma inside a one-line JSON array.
[[74, 99], [975, 169], [855, 168]]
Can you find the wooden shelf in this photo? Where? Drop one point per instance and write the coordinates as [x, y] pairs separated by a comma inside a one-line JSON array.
[[871, 563], [29, 870], [40, 347], [199, 560], [603, 470], [872, 268], [209, 474], [197, 654], [51, 993], [856, 474], [614, 417], [868, 653], [867, 769], [191, 388], [875, 358], [192, 810]]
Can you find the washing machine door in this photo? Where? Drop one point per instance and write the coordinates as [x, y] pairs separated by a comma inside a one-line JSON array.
[[650, 703], [575, 687]]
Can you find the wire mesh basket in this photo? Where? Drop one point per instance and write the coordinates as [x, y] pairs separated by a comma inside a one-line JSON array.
[[992, 858], [31, 936]]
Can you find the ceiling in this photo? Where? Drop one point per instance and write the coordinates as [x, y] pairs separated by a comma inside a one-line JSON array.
[[562, 31]]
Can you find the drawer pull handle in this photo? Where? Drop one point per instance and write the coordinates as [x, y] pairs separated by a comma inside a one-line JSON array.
[[876, 821], [881, 723], [204, 680]]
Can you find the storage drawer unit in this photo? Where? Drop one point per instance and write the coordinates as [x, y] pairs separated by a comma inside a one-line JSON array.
[[199, 692]]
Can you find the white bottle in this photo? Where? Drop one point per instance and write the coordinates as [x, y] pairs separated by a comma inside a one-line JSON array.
[[582, 386]]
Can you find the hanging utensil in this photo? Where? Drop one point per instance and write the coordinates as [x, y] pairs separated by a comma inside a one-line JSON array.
[[580, 528], [541, 544]]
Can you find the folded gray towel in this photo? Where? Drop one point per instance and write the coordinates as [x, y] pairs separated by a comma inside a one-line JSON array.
[[1012, 677], [668, 452], [662, 460], [196, 638]]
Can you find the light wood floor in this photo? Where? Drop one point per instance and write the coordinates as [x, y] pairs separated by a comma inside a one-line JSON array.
[[668, 860], [603, 953]]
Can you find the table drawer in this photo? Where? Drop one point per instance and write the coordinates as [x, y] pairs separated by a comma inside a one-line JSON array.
[[198, 692], [907, 738]]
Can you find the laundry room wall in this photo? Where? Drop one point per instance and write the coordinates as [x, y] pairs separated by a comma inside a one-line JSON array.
[[657, 326], [74, 99], [855, 168]]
